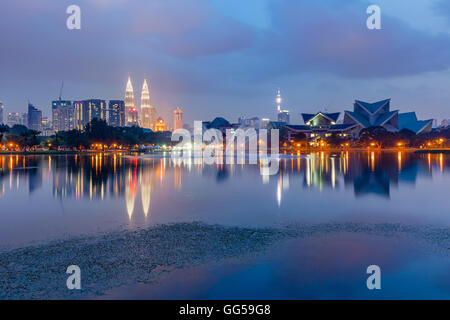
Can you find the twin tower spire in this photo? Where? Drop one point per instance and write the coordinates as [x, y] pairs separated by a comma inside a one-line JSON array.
[[148, 112]]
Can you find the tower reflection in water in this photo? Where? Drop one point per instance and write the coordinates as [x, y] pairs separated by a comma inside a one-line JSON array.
[[99, 177]]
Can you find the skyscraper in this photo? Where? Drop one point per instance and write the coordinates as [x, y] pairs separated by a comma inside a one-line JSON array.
[[177, 119], [34, 118], [148, 112], [24, 119], [117, 113], [63, 115], [1, 113], [97, 109], [87, 110], [81, 114], [131, 113]]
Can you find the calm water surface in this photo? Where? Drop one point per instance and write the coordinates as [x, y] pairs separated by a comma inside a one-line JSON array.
[[50, 197]]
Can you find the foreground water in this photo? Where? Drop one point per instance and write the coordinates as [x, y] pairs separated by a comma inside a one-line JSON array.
[[319, 223]]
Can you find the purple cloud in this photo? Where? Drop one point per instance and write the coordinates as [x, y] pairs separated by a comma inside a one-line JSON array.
[[329, 36]]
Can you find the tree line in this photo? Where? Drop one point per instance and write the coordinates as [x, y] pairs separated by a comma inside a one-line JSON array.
[[96, 132]]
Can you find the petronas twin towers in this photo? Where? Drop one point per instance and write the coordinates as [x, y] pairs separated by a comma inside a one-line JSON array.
[[148, 112]]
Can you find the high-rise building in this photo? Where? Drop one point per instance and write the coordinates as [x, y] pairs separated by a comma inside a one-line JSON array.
[[148, 112], [13, 119], [116, 113], [131, 113], [97, 109], [81, 114], [24, 119], [47, 127], [87, 110], [283, 116], [177, 119], [63, 115], [34, 118], [1, 113]]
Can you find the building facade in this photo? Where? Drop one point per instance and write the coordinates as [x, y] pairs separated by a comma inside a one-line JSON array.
[[177, 118], [63, 115], [160, 125], [321, 125], [376, 114], [148, 112], [283, 116], [87, 110], [116, 113], [13, 119], [34, 118], [24, 119], [131, 112], [409, 121], [379, 114]]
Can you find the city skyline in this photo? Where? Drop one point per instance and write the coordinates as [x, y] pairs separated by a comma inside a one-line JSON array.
[[226, 57]]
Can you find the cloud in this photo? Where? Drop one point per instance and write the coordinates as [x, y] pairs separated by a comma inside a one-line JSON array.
[[193, 28], [193, 50], [442, 8], [328, 36]]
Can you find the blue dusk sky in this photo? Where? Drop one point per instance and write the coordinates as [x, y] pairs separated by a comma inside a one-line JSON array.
[[228, 57]]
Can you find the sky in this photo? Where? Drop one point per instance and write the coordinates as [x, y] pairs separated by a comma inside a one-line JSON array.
[[228, 57]]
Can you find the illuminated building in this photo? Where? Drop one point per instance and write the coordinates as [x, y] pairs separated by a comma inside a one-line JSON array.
[[160, 125], [63, 115], [34, 118], [379, 114], [87, 110], [282, 115], [177, 119], [116, 113], [47, 128], [131, 113], [148, 112], [321, 124]]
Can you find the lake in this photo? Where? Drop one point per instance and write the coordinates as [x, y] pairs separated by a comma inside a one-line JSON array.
[[323, 219]]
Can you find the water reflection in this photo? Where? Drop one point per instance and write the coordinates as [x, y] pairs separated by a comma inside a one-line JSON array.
[[91, 177], [99, 177], [51, 196]]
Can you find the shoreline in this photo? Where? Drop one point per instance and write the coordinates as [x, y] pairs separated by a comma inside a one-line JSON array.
[[301, 150]]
